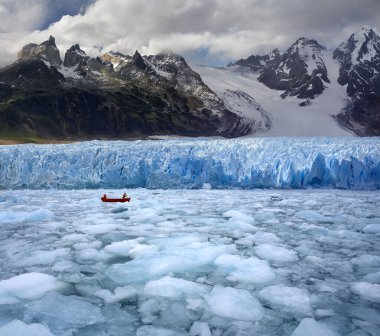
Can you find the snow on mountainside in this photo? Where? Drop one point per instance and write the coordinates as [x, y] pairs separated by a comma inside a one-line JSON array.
[[359, 59], [304, 91], [348, 163], [113, 96], [285, 115], [300, 71], [347, 89]]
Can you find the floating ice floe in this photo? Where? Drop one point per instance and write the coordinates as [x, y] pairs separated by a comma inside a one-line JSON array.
[[288, 299], [250, 270], [367, 291], [19, 328], [60, 312], [275, 253], [234, 303], [28, 286], [311, 327]]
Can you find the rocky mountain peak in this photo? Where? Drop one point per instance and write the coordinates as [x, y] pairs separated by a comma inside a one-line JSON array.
[[306, 49], [47, 51], [300, 71], [257, 63], [359, 59], [116, 58], [139, 62], [275, 53], [171, 55], [75, 56], [50, 42], [361, 46]]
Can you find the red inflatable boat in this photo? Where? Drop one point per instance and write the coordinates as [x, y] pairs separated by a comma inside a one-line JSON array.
[[113, 200]]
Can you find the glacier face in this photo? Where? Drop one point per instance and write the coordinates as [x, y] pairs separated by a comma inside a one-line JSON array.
[[347, 163]]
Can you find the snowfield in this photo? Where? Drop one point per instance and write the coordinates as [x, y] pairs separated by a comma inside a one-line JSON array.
[[345, 162], [287, 117], [189, 262]]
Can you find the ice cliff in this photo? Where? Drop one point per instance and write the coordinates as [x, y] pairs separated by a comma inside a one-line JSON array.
[[347, 163]]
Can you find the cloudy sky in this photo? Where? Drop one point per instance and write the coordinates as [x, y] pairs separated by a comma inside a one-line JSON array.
[[205, 31]]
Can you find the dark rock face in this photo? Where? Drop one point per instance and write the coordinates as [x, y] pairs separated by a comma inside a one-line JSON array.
[[46, 51], [257, 63], [358, 56], [112, 96], [32, 74], [359, 59], [306, 102], [300, 71], [75, 56]]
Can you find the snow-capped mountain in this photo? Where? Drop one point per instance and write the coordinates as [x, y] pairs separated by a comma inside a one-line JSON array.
[[308, 71], [359, 59], [114, 96], [47, 51], [308, 90], [300, 71]]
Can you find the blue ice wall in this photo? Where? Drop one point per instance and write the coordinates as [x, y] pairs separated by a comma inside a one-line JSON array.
[[347, 163]]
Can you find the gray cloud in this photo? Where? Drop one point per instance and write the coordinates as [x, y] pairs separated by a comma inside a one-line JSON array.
[[221, 30]]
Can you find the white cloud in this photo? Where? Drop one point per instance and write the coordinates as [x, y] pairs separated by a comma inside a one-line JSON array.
[[226, 29]]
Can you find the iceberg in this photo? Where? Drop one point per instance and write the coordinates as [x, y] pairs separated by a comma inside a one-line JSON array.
[[244, 163]]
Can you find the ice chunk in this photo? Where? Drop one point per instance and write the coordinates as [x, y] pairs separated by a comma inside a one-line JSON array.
[[121, 248], [65, 266], [372, 277], [120, 293], [311, 327], [44, 257], [158, 331], [367, 291], [246, 270], [130, 248], [96, 229], [372, 228], [178, 241], [40, 215], [200, 329], [288, 299], [234, 303], [275, 253], [262, 237], [149, 310], [89, 255], [28, 286], [237, 215], [367, 260], [312, 216], [174, 288], [19, 328], [61, 312], [177, 260]]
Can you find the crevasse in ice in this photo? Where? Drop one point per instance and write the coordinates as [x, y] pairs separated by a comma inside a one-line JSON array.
[[347, 163]]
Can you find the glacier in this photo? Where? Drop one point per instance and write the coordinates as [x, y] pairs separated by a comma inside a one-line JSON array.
[[244, 163]]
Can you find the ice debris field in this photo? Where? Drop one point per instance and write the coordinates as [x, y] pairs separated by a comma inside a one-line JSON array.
[[345, 163], [190, 262], [269, 237]]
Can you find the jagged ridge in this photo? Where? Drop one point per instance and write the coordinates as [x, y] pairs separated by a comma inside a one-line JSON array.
[[117, 95]]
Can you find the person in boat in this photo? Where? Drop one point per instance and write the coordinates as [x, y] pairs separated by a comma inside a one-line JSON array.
[[125, 195], [104, 196]]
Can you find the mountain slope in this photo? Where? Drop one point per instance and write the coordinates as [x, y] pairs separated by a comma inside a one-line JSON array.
[[344, 84], [359, 58], [111, 96], [287, 117]]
